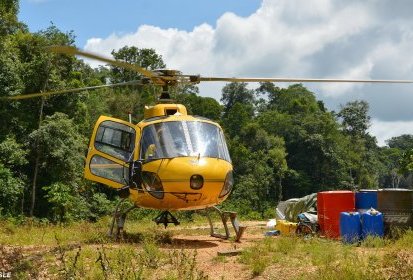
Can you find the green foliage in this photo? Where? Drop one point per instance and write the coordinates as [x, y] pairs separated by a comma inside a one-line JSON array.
[[256, 258], [60, 147], [406, 161], [9, 23], [201, 106], [402, 142], [10, 80], [374, 242], [316, 147], [355, 118], [397, 160], [12, 153], [68, 203], [234, 93], [61, 198], [145, 58], [260, 164], [11, 191]]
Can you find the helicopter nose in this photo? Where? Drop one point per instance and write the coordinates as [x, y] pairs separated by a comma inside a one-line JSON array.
[[193, 173]]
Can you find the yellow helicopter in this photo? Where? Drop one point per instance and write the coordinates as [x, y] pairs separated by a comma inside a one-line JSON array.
[[170, 160]]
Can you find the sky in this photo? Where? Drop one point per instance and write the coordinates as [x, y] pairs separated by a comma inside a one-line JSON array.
[[352, 39]]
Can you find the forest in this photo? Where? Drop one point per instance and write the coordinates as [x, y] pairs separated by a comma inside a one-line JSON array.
[[283, 142]]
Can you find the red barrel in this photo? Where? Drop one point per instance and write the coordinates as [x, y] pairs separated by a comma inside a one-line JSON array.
[[329, 206]]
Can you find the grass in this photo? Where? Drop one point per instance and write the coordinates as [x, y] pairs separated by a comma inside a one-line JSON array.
[[34, 250], [83, 251], [374, 258]]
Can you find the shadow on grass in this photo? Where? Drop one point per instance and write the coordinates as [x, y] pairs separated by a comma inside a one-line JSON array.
[[181, 243]]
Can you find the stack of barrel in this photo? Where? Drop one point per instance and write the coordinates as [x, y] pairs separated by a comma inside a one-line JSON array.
[[367, 221], [354, 216]]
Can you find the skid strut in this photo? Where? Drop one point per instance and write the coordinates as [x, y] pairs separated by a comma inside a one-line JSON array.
[[120, 218], [166, 218], [225, 215]]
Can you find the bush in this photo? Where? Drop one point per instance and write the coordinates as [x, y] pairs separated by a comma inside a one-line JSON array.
[[11, 190]]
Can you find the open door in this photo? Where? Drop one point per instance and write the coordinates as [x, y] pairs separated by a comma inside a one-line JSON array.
[[111, 148]]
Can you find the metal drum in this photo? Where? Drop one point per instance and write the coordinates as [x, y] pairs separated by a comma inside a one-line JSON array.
[[365, 200], [397, 208], [329, 206]]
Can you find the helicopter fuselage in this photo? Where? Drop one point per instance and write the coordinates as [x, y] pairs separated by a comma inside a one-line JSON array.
[[184, 160]]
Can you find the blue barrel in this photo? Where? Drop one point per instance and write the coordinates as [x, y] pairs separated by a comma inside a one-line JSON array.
[[366, 199], [350, 227], [372, 223]]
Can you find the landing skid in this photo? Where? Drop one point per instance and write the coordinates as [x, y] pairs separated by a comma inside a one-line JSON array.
[[166, 218], [225, 215]]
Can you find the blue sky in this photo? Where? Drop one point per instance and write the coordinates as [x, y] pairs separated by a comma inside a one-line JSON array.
[[350, 39], [101, 18]]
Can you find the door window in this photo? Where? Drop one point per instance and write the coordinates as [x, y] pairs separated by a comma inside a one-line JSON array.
[[108, 169], [115, 139]]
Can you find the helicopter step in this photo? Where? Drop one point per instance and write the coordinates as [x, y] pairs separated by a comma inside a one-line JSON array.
[[119, 218], [225, 216]]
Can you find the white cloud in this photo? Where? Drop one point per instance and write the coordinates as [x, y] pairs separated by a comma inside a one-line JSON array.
[[386, 130], [293, 38]]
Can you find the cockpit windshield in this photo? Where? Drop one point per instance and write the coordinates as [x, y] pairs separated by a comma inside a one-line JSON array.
[[183, 139]]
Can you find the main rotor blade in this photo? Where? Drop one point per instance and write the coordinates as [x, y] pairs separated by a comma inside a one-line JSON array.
[[74, 90], [297, 80], [73, 51]]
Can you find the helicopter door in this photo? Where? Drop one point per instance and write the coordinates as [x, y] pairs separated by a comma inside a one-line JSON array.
[[111, 148]]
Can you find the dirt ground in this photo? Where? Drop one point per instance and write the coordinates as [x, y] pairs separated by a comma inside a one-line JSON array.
[[36, 253], [208, 247]]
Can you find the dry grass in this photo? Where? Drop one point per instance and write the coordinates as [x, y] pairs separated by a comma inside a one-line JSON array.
[[83, 251]]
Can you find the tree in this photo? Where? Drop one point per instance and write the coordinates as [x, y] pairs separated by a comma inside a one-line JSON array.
[[12, 153], [364, 164], [10, 84], [260, 165], [403, 142], [234, 93], [11, 190], [145, 58], [9, 23], [397, 163], [315, 145], [391, 175], [60, 148], [406, 161], [238, 107], [131, 99], [355, 118], [201, 106], [13, 160]]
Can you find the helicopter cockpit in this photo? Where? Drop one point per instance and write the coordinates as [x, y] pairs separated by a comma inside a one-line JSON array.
[[182, 139]]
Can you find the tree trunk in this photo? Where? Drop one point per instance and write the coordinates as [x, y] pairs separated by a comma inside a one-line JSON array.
[[36, 165]]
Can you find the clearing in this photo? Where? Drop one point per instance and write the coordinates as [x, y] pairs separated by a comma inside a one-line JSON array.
[[35, 250]]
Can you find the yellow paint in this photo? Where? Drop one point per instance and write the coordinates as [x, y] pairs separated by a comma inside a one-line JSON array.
[[285, 227], [162, 109], [174, 173]]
